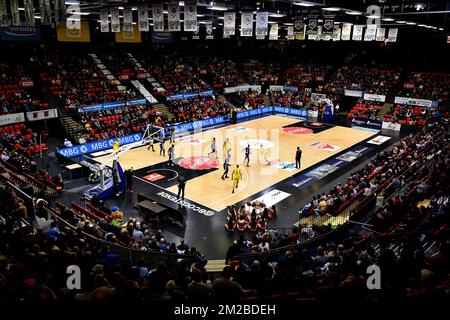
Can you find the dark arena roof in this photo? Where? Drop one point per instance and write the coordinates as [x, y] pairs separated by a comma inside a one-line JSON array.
[[225, 158]]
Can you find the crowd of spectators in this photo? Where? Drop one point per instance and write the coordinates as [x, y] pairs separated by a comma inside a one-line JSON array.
[[249, 217], [257, 72], [293, 99], [427, 85], [414, 115], [307, 75], [186, 110]]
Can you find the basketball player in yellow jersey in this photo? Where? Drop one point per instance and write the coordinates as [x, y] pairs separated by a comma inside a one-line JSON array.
[[116, 146], [264, 153], [236, 176]]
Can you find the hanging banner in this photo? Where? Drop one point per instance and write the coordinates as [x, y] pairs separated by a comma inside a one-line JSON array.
[[357, 33], [104, 22], [299, 28], [24, 33], [174, 16], [317, 35], [42, 115], [127, 20], [290, 33], [229, 24], [246, 24], [4, 21], [312, 25], [209, 30], [46, 13], [73, 17], [196, 33], [262, 25], [60, 11], [346, 31], [190, 15], [371, 31], [12, 118], [327, 26], [336, 33], [29, 12], [14, 7], [133, 36], [392, 35], [65, 34], [158, 17], [115, 20], [273, 35], [381, 34], [143, 18]]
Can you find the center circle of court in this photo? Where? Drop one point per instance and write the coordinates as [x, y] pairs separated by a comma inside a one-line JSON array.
[[199, 163], [256, 143], [297, 130], [314, 124]]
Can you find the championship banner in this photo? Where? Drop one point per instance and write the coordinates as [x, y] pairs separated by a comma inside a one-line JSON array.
[[174, 16], [158, 17], [104, 22], [312, 25], [262, 25], [392, 35], [229, 24], [336, 33], [60, 11], [133, 36], [4, 21], [46, 13], [65, 34], [357, 32], [209, 30], [371, 31], [317, 35], [290, 33], [273, 35], [143, 18], [381, 34], [346, 31], [115, 20], [29, 12], [196, 33], [127, 20], [299, 28], [190, 16], [14, 7], [74, 18], [246, 24], [327, 26]]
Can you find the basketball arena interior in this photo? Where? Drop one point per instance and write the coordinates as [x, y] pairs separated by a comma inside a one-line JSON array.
[[224, 151]]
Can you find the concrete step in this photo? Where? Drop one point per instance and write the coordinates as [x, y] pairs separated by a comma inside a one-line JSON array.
[[215, 265]]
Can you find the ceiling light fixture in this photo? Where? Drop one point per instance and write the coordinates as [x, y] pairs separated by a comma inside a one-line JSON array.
[[388, 19], [331, 9], [353, 13], [304, 4]]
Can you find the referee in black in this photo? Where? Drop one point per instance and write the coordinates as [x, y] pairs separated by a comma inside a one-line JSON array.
[[181, 185], [298, 158]]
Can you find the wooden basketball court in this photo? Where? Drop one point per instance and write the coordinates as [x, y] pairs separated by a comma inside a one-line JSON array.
[[213, 192]]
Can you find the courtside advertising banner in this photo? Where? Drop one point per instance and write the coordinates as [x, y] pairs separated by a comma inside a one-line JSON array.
[[190, 16], [262, 25], [371, 31], [346, 31], [357, 32], [143, 18], [158, 17], [74, 35], [416, 102], [115, 20], [246, 24], [174, 16], [374, 97], [229, 24], [42, 114], [21, 33], [104, 21], [392, 35], [12, 118], [127, 20], [391, 126]]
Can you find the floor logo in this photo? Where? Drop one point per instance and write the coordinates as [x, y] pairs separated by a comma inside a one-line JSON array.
[[199, 163], [240, 129], [285, 165], [297, 130], [256, 143], [193, 141], [324, 146], [154, 177]]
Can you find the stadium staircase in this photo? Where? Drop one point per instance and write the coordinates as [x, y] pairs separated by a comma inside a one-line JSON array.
[[162, 108], [215, 266], [267, 101], [73, 129]]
